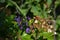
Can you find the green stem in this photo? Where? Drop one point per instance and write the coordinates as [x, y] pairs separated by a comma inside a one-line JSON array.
[[14, 3]]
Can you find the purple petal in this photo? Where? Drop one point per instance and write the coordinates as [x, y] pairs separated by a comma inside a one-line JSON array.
[[28, 18], [18, 19], [27, 30]]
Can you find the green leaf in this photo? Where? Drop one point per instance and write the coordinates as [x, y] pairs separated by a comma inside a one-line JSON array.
[[35, 10], [58, 21], [37, 0], [30, 21], [56, 27], [47, 35], [8, 4], [24, 11], [11, 17], [26, 36], [58, 36]]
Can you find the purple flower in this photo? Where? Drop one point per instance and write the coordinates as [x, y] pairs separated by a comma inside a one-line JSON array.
[[27, 30], [18, 19], [28, 18]]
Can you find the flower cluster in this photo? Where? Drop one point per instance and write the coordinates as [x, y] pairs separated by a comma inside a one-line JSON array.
[[30, 24], [23, 25]]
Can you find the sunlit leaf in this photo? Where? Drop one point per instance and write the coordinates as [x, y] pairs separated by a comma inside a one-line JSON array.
[[26, 36], [30, 21], [58, 21]]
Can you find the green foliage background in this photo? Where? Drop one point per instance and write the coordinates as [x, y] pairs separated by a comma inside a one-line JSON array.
[[9, 28]]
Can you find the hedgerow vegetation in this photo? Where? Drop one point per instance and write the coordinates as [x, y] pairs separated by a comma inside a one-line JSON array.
[[29, 19]]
